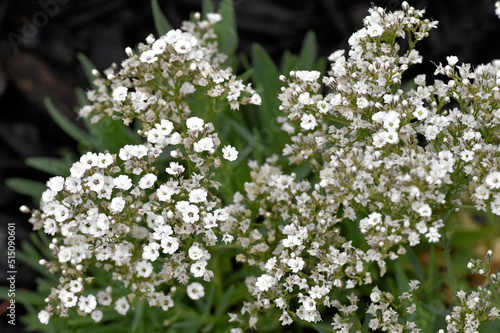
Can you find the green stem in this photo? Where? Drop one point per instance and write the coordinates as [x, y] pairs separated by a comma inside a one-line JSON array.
[[450, 272]]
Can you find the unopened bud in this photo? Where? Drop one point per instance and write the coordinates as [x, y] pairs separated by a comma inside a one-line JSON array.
[[129, 51], [24, 209]]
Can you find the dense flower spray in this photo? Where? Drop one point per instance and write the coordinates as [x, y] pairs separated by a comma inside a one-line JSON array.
[[386, 163]]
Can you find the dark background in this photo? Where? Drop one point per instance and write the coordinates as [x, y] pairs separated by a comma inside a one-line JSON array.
[[45, 64]]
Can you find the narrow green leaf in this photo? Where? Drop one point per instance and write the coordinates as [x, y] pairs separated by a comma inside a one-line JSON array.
[[288, 62], [223, 304], [138, 314], [226, 28], [450, 243], [321, 65], [27, 187], [52, 166], [266, 78], [402, 280], [82, 98], [88, 67], [71, 129], [109, 134], [207, 6], [415, 264], [307, 56], [161, 23]]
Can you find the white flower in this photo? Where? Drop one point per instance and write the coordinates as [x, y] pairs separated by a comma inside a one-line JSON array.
[[195, 290], [205, 144], [195, 252], [104, 298], [305, 99], [213, 17], [191, 214], [230, 153], [64, 254], [120, 94], [433, 235], [255, 99], [482, 192], [194, 124], [165, 127], [307, 76], [122, 306], [308, 122], [122, 182], [68, 299], [96, 315], [169, 245], [75, 286], [452, 60], [198, 195], [493, 180], [264, 282], [362, 102], [175, 169], [50, 227], [148, 56], [467, 155], [165, 192], [150, 251], [198, 268], [144, 268], [117, 205], [44, 317], [375, 295], [296, 264], [87, 304], [424, 210], [182, 46], [147, 181], [55, 183]]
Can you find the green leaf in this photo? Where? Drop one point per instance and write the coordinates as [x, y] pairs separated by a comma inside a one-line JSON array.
[[226, 28], [415, 264], [109, 134], [267, 83], [88, 67], [71, 129], [307, 56], [52, 166], [82, 98], [207, 6], [223, 303], [288, 62], [138, 315], [450, 242], [161, 23], [31, 188]]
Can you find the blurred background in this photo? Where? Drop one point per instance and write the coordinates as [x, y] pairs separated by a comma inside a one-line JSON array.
[[39, 41]]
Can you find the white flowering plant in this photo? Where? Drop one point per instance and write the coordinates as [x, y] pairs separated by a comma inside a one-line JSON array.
[[335, 202]]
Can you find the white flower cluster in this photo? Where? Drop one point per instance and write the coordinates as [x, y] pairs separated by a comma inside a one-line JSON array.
[[387, 162], [149, 229], [152, 85], [146, 228], [478, 306]]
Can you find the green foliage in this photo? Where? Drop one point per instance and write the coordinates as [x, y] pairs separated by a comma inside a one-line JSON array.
[[161, 23]]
